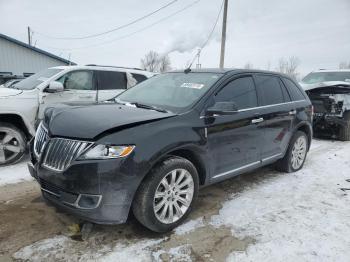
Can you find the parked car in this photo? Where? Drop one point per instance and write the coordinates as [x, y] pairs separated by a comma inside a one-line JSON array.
[[22, 104], [320, 76], [164, 138], [329, 91], [11, 82]]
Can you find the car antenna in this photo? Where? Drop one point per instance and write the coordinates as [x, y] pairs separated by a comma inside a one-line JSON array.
[[188, 69]]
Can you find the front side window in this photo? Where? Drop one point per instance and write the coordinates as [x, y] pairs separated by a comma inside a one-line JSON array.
[[36, 79], [241, 91], [175, 91], [269, 90], [77, 80], [111, 80]]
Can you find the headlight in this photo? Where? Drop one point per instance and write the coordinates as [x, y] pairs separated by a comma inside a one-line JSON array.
[[107, 152]]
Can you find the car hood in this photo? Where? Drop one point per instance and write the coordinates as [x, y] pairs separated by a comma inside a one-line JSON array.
[[89, 122], [342, 84], [6, 92]]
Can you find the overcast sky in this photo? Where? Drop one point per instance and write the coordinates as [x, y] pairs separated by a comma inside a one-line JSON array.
[[259, 32]]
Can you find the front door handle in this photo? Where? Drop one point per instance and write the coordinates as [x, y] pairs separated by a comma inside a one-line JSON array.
[[257, 120], [293, 112]]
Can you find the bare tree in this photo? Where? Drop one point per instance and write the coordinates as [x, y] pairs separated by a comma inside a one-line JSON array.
[[150, 62], [164, 64], [344, 65], [154, 62], [289, 66]]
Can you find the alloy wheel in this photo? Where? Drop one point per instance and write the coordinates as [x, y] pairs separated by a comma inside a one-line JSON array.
[[299, 152], [11, 145], [173, 196]]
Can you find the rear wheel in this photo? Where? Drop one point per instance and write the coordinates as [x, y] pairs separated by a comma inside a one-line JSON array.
[[12, 144], [166, 196], [296, 154], [344, 131]]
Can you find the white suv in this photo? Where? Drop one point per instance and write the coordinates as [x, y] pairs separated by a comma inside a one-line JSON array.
[[22, 105]]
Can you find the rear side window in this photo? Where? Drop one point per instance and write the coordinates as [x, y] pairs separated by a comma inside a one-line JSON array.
[[109, 80], [139, 78], [285, 92], [293, 90], [269, 90], [241, 91]]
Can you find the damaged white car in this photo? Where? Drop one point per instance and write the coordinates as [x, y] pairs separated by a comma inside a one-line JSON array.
[[329, 92], [22, 104]]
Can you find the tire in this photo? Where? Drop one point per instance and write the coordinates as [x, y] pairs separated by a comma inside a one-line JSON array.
[[286, 164], [344, 131], [13, 144], [145, 206]]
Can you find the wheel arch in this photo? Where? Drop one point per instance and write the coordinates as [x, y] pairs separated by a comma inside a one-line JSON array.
[[18, 121], [307, 129], [194, 157]]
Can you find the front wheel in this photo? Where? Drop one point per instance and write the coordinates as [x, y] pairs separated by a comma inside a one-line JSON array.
[[295, 155], [12, 144], [166, 196]]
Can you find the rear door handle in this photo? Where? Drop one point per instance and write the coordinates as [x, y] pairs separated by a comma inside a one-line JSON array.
[[257, 120], [293, 112]]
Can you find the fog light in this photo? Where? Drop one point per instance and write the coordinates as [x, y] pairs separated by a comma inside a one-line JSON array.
[[89, 201]]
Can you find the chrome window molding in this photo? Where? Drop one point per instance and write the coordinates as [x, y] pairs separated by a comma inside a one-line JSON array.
[[260, 107]]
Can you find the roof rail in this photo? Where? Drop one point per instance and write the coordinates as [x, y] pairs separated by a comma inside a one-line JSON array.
[[134, 68]]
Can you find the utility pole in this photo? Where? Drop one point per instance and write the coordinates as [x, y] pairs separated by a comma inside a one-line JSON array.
[[223, 36], [29, 37]]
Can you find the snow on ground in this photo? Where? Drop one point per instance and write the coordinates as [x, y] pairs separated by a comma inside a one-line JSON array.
[[14, 173], [302, 216], [296, 217]]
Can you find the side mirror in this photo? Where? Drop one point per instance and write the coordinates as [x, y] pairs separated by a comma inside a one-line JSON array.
[[222, 108], [54, 87]]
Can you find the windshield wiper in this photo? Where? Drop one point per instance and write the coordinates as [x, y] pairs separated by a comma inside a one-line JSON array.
[[149, 107]]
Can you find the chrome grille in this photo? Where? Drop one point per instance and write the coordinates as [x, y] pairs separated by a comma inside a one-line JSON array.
[[60, 152], [41, 138]]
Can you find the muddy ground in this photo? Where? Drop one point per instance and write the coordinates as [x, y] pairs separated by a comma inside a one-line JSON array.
[[27, 218]]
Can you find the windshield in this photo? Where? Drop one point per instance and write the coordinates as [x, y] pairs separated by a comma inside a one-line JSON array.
[[36, 79], [319, 77], [171, 91]]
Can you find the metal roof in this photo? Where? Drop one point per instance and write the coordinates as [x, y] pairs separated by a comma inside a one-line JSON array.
[[15, 41]]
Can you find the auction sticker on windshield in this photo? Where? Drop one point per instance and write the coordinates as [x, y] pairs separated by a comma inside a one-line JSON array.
[[193, 85]]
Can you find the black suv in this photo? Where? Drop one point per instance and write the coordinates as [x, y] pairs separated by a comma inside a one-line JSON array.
[[161, 140]]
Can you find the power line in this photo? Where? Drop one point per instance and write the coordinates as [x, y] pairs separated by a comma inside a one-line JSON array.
[[131, 34], [209, 36], [111, 30]]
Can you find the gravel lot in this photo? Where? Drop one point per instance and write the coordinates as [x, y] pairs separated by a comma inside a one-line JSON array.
[[261, 216]]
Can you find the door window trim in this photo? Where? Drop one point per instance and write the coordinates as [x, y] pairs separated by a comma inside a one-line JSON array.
[[291, 102]]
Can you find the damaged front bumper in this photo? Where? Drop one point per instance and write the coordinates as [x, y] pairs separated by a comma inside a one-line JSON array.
[[95, 191]]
